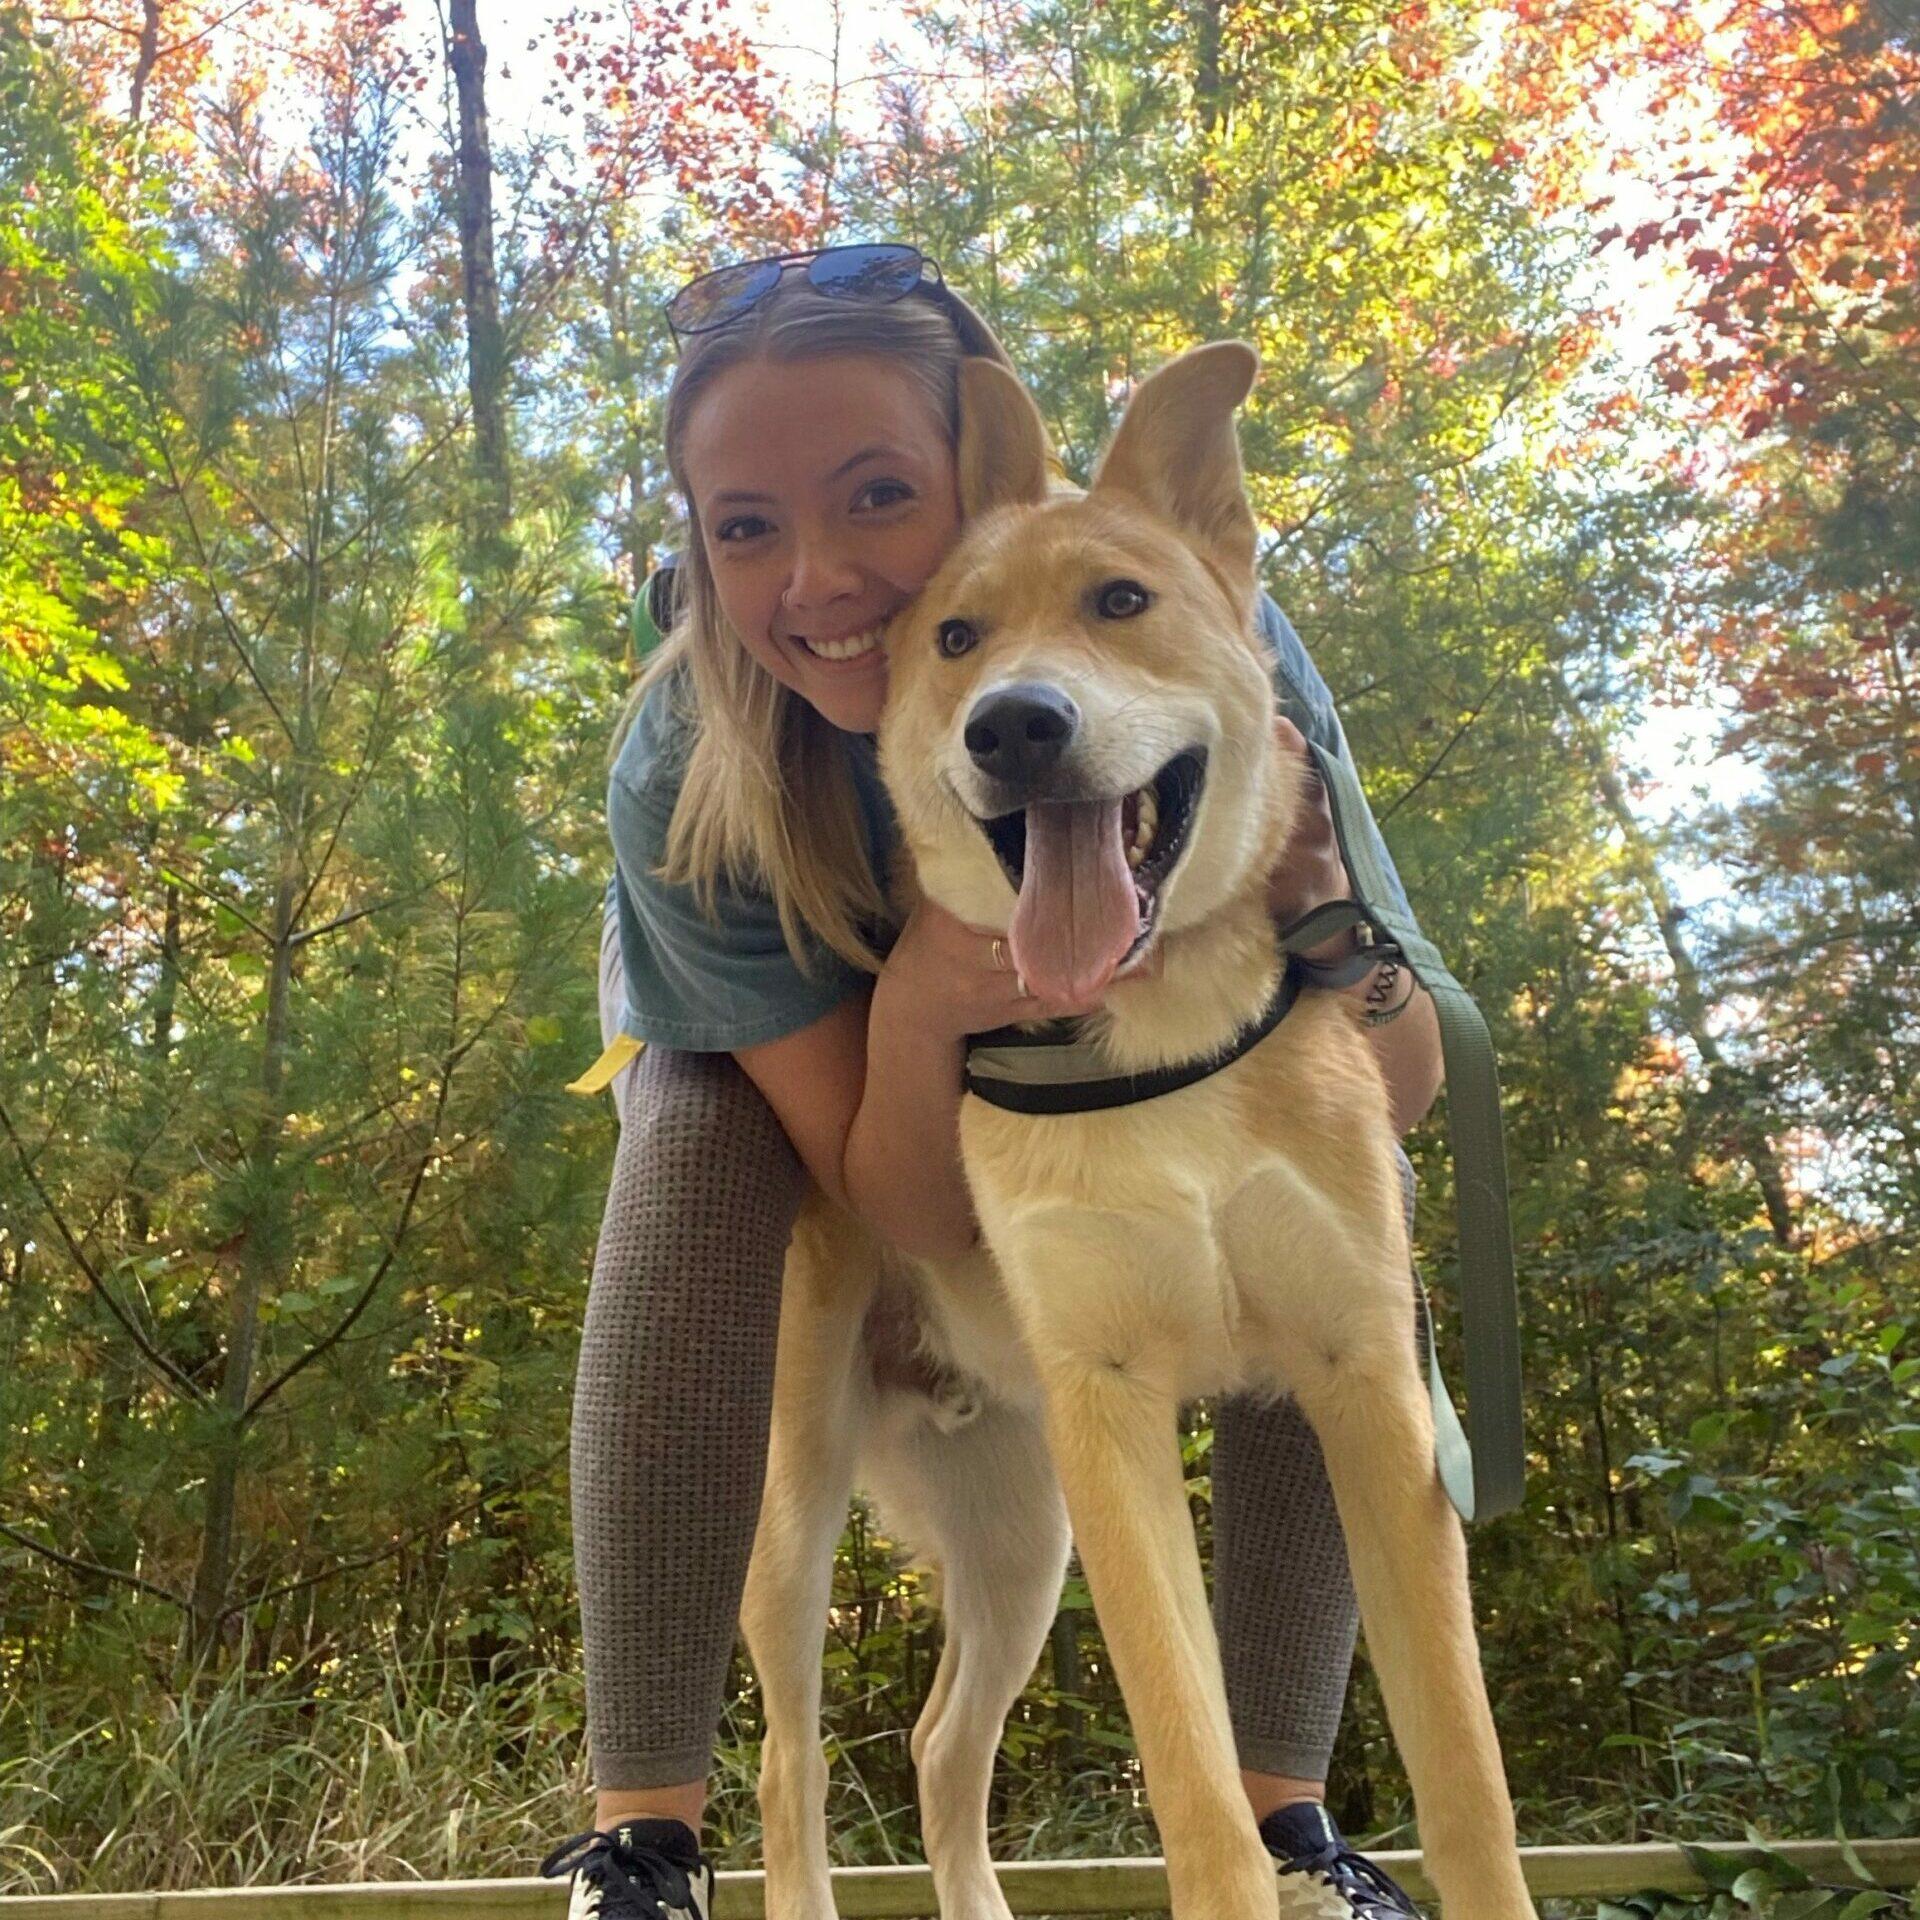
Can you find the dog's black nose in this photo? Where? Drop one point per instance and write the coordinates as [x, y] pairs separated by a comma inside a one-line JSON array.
[[1017, 733]]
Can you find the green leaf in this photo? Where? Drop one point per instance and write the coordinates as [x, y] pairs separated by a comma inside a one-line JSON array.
[[1801, 1903], [1874, 1900], [1850, 1854], [1718, 1870]]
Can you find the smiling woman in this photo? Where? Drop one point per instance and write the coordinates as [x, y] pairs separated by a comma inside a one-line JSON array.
[[793, 1027], [830, 502]]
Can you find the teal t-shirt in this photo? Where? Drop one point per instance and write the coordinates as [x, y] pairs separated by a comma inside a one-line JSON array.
[[712, 983]]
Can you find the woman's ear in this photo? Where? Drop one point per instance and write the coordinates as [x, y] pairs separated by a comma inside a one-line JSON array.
[[1003, 441], [1177, 452]]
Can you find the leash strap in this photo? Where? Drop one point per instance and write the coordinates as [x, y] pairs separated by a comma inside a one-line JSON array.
[[1486, 1479]]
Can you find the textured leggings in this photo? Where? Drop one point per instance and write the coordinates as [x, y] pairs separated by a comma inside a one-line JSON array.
[[670, 1418]]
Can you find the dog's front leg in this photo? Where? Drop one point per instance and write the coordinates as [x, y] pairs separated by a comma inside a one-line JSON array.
[[1336, 1312], [1112, 1305], [818, 1409]]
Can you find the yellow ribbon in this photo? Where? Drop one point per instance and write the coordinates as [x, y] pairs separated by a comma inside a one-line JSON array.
[[621, 1051]]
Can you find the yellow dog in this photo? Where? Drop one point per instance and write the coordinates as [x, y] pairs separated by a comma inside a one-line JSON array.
[[1078, 740]]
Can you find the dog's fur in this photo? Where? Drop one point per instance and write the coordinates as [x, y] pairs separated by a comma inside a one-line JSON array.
[[1243, 1233]]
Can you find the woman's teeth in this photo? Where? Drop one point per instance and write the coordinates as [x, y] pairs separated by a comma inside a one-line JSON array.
[[1146, 823], [849, 648]]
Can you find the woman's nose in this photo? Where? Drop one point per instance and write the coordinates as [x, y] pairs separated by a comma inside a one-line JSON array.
[[822, 573]]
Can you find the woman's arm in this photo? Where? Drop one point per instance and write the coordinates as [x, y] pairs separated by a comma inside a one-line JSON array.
[[870, 1095], [1408, 1046], [1310, 873], [902, 1162]]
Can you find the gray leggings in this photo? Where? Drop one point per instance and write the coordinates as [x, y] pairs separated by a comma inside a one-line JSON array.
[[670, 1416]]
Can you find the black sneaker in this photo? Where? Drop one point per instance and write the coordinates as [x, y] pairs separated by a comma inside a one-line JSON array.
[[642, 1870], [1334, 1882]]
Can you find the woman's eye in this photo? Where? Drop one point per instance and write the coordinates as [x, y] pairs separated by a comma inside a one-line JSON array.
[[747, 527], [1122, 599], [956, 638], [884, 493]]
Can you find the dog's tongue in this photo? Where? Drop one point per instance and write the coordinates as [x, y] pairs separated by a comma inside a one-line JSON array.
[[1078, 912]]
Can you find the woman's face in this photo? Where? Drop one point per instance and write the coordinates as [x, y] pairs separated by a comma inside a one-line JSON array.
[[827, 497]]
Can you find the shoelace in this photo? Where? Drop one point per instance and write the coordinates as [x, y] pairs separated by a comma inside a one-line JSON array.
[[645, 1883], [1352, 1874]]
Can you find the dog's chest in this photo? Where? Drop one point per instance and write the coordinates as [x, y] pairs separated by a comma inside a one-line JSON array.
[[1190, 1226]]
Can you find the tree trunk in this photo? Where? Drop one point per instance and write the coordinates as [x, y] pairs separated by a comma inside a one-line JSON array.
[[1208, 108], [261, 1255], [486, 343], [165, 999], [144, 59], [1732, 1086]]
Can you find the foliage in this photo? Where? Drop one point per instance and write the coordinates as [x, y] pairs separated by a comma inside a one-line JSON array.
[[1763, 1883], [1812, 1594], [300, 876], [75, 240]]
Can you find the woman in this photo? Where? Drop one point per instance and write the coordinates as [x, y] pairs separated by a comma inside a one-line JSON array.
[[811, 430]]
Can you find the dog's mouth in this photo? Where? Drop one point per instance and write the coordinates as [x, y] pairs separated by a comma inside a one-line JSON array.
[[1089, 873]]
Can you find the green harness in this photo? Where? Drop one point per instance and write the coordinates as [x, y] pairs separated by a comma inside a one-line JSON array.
[[1054, 1070]]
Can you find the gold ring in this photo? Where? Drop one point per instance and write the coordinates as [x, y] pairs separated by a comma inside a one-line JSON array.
[[999, 957]]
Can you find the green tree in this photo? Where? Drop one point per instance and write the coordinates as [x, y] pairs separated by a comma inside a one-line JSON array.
[[316, 1019]]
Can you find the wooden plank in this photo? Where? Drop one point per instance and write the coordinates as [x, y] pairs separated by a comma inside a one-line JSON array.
[[906, 1893], [1601, 1872]]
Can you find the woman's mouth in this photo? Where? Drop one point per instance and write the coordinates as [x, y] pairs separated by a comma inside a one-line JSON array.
[[836, 651]]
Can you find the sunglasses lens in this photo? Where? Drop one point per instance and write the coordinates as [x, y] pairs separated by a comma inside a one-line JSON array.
[[866, 273], [719, 297]]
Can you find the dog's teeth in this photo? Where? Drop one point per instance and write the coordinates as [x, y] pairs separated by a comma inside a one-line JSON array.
[[1146, 822]]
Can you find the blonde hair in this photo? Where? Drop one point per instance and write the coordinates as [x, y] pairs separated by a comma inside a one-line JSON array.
[[767, 799]]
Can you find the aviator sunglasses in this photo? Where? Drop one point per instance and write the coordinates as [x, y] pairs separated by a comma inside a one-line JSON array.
[[883, 273]]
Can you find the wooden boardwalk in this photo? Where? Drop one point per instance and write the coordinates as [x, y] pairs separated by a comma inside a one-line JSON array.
[[906, 1893]]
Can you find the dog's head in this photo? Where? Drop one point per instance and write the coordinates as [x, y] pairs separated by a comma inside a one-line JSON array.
[[1078, 735]]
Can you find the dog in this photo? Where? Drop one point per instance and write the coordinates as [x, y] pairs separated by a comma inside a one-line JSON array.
[[1078, 740]]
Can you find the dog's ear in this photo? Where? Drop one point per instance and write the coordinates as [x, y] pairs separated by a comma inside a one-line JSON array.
[[1177, 452], [1003, 440]]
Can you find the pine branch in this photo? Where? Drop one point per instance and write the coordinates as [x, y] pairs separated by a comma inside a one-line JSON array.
[[74, 1564], [180, 1382]]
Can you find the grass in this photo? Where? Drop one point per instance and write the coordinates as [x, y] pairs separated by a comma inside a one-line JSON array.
[[397, 1768], [281, 1778]]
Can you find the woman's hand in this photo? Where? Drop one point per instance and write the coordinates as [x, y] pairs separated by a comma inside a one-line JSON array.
[[955, 978], [1308, 874], [901, 1164], [1309, 871]]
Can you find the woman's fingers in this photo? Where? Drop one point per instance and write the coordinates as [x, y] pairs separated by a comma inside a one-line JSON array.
[[973, 970]]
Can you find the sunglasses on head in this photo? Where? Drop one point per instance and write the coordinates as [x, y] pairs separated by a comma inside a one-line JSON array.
[[881, 273]]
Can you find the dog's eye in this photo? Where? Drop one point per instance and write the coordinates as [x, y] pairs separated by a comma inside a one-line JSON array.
[[1122, 599], [956, 638]]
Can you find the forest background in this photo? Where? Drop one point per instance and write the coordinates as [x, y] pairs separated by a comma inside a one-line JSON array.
[[329, 458]]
